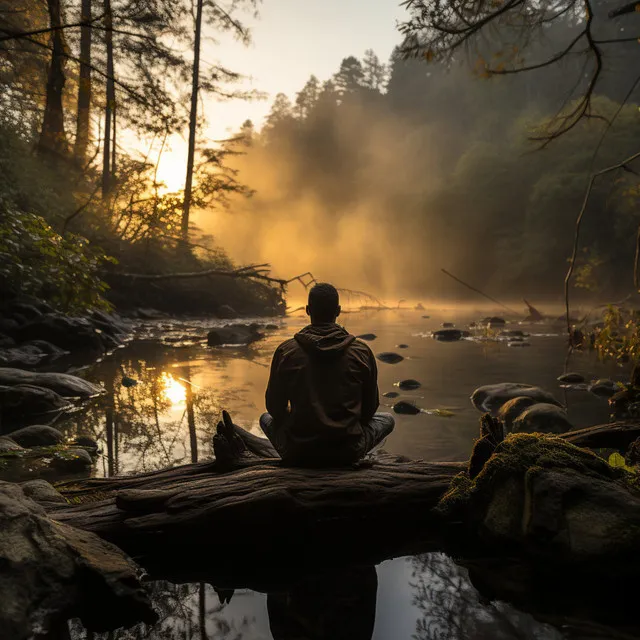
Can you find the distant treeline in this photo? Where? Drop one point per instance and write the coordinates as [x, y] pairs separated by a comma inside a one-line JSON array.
[[384, 173]]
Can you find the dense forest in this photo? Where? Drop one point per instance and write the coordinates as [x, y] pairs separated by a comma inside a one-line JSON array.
[[375, 178], [82, 86], [385, 173]]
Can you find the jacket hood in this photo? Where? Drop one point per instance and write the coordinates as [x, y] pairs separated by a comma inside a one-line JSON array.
[[324, 340]]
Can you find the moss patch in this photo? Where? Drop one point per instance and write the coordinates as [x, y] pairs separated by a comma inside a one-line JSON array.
[[516, 456]]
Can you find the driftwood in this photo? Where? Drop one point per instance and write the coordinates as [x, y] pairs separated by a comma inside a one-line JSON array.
[[245, 515], [241, 517]]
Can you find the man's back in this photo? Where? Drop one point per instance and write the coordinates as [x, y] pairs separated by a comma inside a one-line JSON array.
[[322, 389]]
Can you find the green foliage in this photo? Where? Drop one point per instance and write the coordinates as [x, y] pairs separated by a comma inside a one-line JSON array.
[[36, 260], [619, 336], [587, 270]]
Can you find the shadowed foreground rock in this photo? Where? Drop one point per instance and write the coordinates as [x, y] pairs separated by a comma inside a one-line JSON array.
[[52, 572], [542, 498]]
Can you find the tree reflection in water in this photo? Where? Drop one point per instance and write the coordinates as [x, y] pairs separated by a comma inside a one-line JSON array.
[[451, 608], [186, 612], [163, 420]]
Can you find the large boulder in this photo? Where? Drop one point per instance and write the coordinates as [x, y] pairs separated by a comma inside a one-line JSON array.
[[491, 397], [549, 501], [71, 334], [37, 435], [23, 400], [234, 334], [512, 409], [63, 384], [52, 572], [542, 417]]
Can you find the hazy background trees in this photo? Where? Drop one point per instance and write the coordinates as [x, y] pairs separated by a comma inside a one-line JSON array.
[[386, 172]]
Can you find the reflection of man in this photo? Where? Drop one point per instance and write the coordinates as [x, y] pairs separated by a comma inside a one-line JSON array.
[[337, 606], [322, 394]]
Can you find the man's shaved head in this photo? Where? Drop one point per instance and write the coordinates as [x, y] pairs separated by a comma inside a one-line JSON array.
[[324, 303]]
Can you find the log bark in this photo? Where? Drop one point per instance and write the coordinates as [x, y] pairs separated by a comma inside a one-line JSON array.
[[615, 435], [245, 516]]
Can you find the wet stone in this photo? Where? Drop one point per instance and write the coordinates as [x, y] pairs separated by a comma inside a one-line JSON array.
[[388, 357], [406, 408]]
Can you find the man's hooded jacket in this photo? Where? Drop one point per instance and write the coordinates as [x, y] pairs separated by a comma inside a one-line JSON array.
[[323, 386]]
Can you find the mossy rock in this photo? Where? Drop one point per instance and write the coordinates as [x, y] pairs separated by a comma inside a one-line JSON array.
[[540, 496]]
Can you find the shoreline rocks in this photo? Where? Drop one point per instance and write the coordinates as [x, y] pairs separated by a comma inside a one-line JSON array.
[[53, 572]]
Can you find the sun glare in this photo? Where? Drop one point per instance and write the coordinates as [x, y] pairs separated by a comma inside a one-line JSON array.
[[173, 391]]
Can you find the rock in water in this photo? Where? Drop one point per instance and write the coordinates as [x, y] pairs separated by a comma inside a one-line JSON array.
[[406, 408], [604, 388], [408, 385], [367, 336], [542, 418], [571, 378], [52, 572], [391, 394], [494, 321], [37, 435], [63, 384], [389, 357], [24, 400], [64, 332], [492, 396], [450, 335], [128, 382], [511, 409], [234, 334], [7, 444], [72, 460]]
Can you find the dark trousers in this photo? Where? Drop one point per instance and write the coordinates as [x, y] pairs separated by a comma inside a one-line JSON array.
[[374, 433]]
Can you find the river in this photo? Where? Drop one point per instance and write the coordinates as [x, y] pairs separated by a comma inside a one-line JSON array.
[[165, 392]]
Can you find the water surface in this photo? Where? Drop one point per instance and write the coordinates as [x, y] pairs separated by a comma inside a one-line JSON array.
[[169, 416]]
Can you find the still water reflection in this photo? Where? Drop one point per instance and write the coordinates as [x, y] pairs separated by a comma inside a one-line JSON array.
[[164, 395]]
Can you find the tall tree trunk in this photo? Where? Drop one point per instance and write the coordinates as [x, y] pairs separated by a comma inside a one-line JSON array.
[[113, 140], [195, 83], [84, 86], [111, 99], [52, 134]]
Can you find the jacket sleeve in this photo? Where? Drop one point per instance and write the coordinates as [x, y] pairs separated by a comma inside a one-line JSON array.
[[276, 398], [370, 397]]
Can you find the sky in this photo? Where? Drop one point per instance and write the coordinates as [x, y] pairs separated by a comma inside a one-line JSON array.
[[291, 40]]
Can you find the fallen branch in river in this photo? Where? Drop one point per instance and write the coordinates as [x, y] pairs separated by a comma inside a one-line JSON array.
[[504, 306], [252, 271]]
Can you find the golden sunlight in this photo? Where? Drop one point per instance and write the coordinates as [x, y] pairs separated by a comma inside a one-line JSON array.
[[173, 391]]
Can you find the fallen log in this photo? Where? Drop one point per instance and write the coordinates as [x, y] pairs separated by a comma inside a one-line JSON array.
[[241, 517], [245, 515]]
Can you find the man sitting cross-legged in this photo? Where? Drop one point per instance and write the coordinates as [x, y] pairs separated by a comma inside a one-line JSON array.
[[322, 394]]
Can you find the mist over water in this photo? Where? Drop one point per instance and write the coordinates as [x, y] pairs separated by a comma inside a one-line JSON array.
[[378, 186]]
